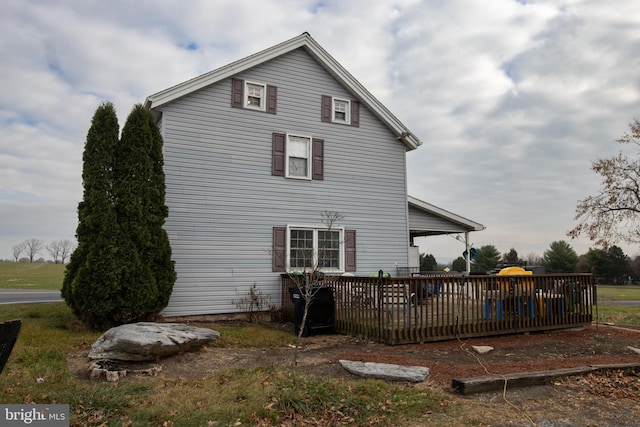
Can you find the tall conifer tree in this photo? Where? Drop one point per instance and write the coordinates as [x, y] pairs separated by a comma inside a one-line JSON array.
[[92, 278], [122, 270], [163, 265]]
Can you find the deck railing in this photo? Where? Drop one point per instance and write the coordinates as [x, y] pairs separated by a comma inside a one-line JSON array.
[[398, 310]]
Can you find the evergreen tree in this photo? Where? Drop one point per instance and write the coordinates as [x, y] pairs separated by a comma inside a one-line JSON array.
[[560, 258], [148, 272], [486, 259], [428, 262], [459, 264], [92, 277], [610, 264], [163, 265], [122, 270], [511, 257]]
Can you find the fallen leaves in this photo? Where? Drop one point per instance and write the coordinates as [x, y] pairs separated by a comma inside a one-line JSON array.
[[615, 384]]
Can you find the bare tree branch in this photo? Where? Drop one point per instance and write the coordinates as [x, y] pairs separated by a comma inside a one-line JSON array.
[[33, 247], [613, 215]]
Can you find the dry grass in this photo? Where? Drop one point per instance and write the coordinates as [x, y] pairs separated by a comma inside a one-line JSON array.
[[37, 372]]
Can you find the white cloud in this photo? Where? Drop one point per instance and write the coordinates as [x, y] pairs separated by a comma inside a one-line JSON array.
[[513, 100]]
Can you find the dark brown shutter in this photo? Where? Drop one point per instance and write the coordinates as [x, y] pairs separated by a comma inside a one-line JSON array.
[[355, 113], [278, 154], [327, 108], [237, 93], [317, 153], [350, 250], [272, 98], [279, 249]]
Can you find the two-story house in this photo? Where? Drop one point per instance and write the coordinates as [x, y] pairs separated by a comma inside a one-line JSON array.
[[259, 154]]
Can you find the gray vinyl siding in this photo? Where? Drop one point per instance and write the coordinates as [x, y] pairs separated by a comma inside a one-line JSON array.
[[223, 201], [420, 220]]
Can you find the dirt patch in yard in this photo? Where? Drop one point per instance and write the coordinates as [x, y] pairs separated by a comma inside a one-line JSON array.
[[597, 399]]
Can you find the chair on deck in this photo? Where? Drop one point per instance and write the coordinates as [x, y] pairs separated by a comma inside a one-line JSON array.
[[398, 298], [9, 332]]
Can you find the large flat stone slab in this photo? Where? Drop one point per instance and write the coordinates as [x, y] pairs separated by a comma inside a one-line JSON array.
[[150, 341], [386, 371]]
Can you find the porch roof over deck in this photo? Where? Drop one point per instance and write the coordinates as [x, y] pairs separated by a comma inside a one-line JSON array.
[[426, 219]]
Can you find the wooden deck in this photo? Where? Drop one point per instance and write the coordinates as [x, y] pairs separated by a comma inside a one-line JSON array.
[[401, 310]]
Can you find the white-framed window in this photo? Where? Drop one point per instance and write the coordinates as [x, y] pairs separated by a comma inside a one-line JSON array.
[[341, 111], [315, 248], [255, 95], [298, 156]]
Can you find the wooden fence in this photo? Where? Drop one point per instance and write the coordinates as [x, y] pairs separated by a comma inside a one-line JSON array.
[[401, 310]]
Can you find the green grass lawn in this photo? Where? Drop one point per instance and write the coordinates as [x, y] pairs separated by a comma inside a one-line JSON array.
[[619, 293], [629, 316], [37, 373], [22, 275]]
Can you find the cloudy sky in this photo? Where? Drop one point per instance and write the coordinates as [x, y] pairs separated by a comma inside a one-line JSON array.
[[513, 100]]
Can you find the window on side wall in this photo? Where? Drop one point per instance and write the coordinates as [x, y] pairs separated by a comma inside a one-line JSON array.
[[315, 248], [297, 248], [254, 95], [298, 156], [341, 110]]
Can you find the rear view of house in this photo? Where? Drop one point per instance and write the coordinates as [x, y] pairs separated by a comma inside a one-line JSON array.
[[258, 154]]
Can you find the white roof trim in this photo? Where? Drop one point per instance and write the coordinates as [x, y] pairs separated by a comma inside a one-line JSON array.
[[314, 49], [467, 223]]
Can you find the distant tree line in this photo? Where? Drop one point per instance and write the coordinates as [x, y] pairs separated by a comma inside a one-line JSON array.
[[610, 216], [60, 250], [610, 265]]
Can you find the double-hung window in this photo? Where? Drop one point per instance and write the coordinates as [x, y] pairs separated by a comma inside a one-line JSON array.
[[252, 95], [255, 95], [341, 111], [297, 156], [315, 248], [298, 153]]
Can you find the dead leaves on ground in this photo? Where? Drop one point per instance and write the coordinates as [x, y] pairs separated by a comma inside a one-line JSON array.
[[616, 384]]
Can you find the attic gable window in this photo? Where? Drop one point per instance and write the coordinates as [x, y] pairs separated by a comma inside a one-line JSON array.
[[340, 110], [254, 95]]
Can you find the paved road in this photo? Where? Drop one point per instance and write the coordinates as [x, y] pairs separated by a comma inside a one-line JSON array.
[[626, 303], [25, 296]]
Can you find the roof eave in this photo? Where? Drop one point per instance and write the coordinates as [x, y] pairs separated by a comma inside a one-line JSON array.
[[467, 223], [305, 41]]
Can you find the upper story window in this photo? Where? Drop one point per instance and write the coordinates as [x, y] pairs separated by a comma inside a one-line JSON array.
[[340, 110], [297, 156], [254, 95], [298, 152]]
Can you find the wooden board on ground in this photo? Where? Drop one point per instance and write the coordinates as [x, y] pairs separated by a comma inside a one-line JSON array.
[[525, 379]]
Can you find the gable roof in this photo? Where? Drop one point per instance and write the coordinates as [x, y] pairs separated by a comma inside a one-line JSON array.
[[457, 222], [312, 47]]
